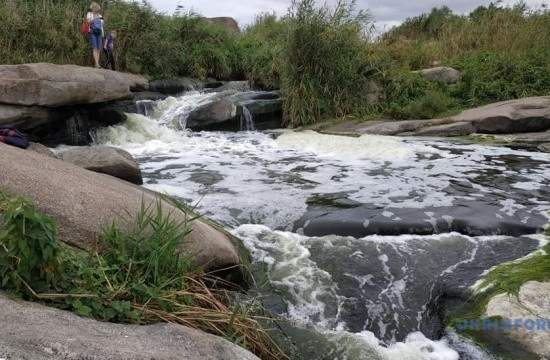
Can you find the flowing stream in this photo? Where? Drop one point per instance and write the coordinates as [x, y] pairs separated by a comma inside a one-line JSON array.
[[362, 238]]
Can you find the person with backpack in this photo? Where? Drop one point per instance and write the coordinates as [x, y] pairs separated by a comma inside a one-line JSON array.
[[95, 20]]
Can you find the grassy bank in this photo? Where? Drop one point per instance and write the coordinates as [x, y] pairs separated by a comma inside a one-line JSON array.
[[325, 60], [139, 277]]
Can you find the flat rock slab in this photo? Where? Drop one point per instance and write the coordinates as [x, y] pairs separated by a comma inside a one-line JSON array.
[[34, 332], [460, 128], [508, 117], [58, 85], [84, 202], [106, 160], [532, 304]]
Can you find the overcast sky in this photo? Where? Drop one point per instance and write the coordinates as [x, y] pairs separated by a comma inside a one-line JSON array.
[[386, 13]]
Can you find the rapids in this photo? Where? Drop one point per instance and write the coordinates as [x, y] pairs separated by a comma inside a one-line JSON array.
[[361, 237]]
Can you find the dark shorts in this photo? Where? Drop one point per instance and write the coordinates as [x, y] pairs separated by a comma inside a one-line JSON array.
[[96, 41]]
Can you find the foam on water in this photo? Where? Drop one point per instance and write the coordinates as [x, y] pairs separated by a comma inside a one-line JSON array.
[[140, 133], [254, 182], [371, 147], [275, 176], [313, 300]]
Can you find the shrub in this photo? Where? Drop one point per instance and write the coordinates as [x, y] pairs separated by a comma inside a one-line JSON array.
[[262, 47], [324, 62], [140, 277], [491, 76]]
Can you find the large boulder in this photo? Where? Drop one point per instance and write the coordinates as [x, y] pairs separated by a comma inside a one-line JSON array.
[[210, 115], [228, 23], [29, 117], [507, 117], [58, 85], [34, 332], [227, 110], [106, 160], [442, 74], [83, 202], [532, 307]]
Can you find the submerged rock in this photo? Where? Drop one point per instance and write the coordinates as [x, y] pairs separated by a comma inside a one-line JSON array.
[[34, 332], [83, 202], [58, 85], [106, 160]]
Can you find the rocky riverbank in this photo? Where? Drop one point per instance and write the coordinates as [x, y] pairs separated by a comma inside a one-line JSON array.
[[521, 123], [466, 215]]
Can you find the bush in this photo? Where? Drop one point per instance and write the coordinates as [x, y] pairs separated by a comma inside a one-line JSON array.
[[491, 76], [324, 62], [262, 47]]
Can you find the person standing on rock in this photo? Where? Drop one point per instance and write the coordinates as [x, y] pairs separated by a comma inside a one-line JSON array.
[[108, 48], [95, 20]]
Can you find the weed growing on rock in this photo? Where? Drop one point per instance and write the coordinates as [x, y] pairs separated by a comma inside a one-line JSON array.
[[140, 276], [507, 278]]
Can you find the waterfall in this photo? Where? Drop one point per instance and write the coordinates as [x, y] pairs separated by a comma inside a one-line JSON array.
[[145, 107], [247, 120]]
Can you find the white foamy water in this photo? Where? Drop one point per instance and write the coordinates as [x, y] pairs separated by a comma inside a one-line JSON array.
[[369, 147], [313, 298], [255, 182]]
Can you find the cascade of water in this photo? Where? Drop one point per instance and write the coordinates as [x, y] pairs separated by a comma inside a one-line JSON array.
[[356, 292], [145, 107], [247, 120]]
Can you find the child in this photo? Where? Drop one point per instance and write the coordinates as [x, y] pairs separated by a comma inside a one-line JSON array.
[[108, 48]]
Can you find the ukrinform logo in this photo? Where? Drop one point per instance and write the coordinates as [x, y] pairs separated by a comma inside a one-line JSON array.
[[504, 325]]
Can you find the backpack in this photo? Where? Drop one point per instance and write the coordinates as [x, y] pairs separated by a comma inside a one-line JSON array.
[[85, 27], [96, 26], [9, 135]]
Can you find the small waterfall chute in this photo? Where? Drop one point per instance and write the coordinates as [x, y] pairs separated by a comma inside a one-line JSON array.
[[247, 119], [145, 107]]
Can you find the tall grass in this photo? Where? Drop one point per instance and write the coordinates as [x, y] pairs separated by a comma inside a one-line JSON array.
[[140, 276], [324, 61], [502, 53], [321, 58], [148, 42]]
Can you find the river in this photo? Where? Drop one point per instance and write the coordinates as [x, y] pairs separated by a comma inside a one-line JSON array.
[[363, 238]]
